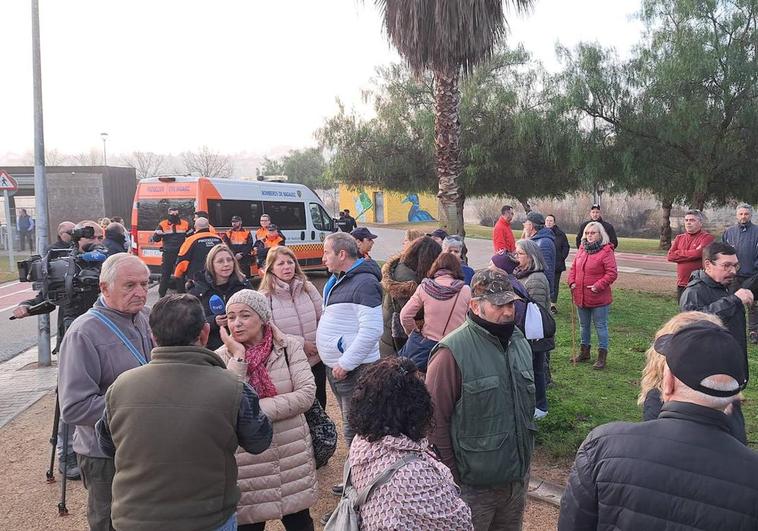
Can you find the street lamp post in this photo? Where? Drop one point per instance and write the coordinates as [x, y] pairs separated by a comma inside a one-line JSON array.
[[600, 191], [104, 136]]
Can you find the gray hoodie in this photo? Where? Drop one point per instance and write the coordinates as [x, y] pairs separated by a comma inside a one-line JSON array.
[[91, 358]]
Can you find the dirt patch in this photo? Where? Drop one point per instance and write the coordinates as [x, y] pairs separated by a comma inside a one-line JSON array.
[[29, 502]]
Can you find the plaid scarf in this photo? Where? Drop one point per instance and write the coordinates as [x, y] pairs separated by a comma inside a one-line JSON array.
[[256, 356]]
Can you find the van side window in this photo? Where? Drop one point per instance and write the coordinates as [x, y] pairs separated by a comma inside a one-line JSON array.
[[286, 215], [321, 220], [221, 211], [150, 212]]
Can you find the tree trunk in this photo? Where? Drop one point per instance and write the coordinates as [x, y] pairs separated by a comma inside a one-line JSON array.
[[665, 241], [447, 137], [525, 204]]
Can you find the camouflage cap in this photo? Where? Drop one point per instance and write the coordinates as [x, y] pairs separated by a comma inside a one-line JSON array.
[[493, 285]]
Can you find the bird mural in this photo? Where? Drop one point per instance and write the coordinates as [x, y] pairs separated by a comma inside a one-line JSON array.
[[415, 213]]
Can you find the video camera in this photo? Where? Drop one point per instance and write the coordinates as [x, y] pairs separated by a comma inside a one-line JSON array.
[[63, 275]]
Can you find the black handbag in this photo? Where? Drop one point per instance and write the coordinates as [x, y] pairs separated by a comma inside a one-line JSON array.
[[322, 428]]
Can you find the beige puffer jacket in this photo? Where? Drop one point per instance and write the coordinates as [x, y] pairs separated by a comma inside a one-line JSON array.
[[296, 309], [281, 480]]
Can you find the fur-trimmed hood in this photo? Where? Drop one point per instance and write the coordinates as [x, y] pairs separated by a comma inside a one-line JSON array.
[[398, 280]]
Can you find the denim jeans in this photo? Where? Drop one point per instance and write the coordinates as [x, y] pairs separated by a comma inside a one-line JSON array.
[[540, 383], [230, 524], [599, 316], [343, 392]]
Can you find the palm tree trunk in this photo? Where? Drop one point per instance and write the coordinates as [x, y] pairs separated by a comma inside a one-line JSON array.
[[447, 137]]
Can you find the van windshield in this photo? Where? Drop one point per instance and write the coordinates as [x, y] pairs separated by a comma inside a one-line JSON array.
[[150, 212]]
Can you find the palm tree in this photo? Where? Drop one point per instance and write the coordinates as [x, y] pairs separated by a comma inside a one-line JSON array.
[[448, 37]]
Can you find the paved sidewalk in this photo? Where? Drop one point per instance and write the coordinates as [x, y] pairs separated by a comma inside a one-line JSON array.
[[22, 384]]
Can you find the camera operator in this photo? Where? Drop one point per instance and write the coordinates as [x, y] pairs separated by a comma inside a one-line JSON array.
[[84, 240], [85, 237]]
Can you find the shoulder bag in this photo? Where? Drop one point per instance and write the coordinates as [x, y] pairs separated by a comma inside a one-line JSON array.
[[346, 517], [322, 428]]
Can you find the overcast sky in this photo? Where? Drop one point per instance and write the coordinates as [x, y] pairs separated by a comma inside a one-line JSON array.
[[237, 75]]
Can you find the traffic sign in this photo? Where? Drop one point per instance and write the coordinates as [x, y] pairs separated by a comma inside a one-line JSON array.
[[7, 182]]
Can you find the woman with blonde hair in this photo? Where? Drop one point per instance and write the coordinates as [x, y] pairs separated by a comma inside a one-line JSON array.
[[223, 277], [651, 384], [411, 235], [295, 307], [280, 483], [590, 277]]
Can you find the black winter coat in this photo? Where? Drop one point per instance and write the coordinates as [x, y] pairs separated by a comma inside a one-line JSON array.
[[608, 228], [204, 289], [562, 248], [704, 294], [115, 242], [682, 471]]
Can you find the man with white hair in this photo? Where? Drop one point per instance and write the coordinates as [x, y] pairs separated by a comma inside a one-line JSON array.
[[111, 338], [684, 470], [744, 238], [454, 244]]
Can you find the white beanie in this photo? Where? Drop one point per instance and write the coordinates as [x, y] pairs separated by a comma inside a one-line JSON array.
[[256, 301]]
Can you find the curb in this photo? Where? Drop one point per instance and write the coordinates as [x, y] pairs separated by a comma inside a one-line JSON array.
[[546, 492]]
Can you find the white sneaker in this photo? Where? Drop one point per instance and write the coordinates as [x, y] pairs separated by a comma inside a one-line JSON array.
[[539, 414]]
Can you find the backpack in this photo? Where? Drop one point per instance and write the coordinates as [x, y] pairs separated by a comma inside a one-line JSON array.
[[539, 324], [346, 517]]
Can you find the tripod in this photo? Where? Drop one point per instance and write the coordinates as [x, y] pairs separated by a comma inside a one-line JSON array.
[[50, 474]]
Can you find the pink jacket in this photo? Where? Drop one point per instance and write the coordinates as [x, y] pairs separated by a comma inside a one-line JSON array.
[[598, 270], [420, 496], [296, 310], [437, 314]]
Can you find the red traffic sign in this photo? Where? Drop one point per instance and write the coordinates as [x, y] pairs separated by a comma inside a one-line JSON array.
[[7, 182]]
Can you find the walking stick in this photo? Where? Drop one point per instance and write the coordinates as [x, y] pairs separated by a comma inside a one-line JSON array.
[[573, 334], [62, 510]]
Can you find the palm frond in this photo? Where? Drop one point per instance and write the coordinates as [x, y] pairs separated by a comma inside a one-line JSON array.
[[446, 34]]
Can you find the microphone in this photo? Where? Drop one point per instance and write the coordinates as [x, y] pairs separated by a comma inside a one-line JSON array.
[[217, 305], [94, 256]]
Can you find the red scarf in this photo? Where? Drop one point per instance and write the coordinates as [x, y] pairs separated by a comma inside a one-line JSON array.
[[256, 356]]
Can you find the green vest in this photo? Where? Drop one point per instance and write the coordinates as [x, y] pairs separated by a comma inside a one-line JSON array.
[[492, 428], [174, 425]]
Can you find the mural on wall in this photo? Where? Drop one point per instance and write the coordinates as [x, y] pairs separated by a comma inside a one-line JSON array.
[[362, 205], [415, 213]]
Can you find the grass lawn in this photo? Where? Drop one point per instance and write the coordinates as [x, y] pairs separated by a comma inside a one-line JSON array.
[[627, 245], [584, 398]]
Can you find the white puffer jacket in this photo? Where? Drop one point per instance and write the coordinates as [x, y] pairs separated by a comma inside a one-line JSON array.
[[296, 309], [281, 480]]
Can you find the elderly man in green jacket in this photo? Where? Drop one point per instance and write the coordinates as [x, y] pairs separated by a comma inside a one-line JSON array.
[[482, 385]]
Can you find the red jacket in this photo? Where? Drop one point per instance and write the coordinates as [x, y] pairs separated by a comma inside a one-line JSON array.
[[687, 252], [599, 270], [502, 236]]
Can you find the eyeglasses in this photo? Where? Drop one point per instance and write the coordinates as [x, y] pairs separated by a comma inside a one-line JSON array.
[[726, 266]]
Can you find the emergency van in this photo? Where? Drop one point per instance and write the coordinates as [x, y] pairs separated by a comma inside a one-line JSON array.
[[294, 208]]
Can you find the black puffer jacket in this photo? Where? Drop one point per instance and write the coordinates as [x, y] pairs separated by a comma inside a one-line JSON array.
[[704, 294], [682, 471], [562, 248], [204, 289]]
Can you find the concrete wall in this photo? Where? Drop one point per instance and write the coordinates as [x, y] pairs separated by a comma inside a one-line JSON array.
[[398, 207]]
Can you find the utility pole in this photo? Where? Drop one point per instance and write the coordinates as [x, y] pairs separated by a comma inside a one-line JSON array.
[[40, 182], [104, 136]]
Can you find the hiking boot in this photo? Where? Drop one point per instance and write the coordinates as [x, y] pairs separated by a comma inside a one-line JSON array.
[[72, 467], [602, 355], [325, 517], [584, 354], [753, 337], [553, 309], [338, 489]]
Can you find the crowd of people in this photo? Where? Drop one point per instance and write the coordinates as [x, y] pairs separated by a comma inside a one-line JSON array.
[[196, 414]]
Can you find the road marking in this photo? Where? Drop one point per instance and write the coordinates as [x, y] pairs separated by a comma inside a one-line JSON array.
[[16, 293]]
